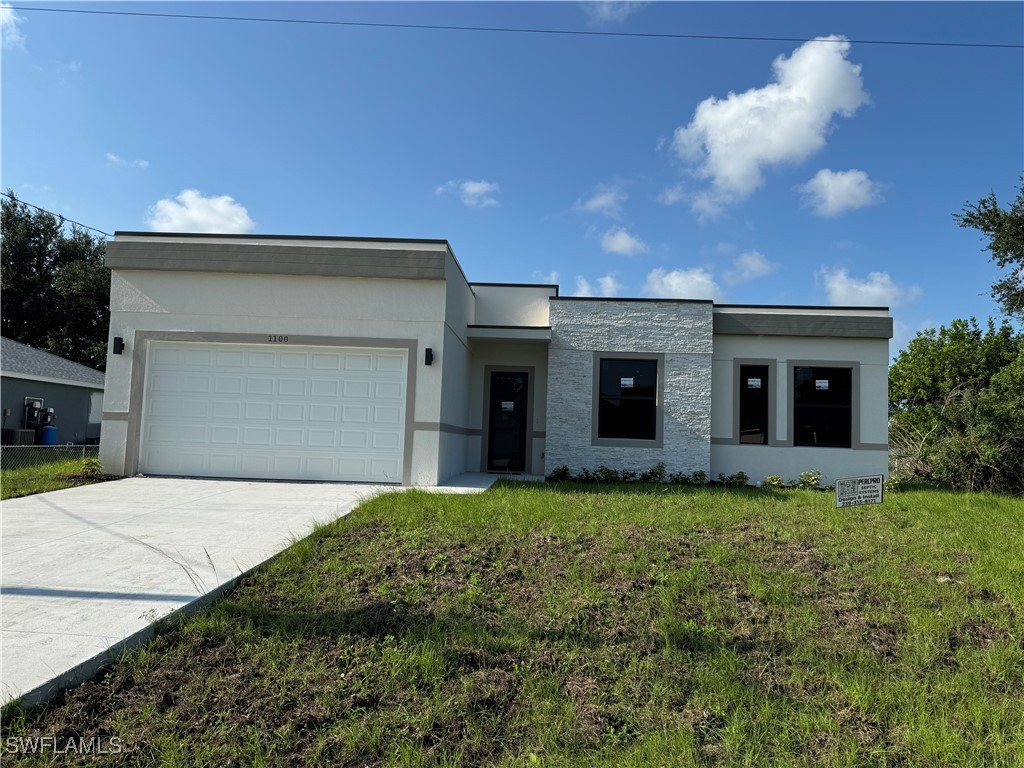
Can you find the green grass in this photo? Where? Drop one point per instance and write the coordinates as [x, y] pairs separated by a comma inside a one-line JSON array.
[[52, 476], [578, 625]]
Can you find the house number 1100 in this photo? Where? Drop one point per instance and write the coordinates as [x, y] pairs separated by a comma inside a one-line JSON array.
[[277, 339]]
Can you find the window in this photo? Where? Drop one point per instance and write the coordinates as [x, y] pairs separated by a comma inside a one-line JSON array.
[[754, 404], [628, 399], [822, 410]]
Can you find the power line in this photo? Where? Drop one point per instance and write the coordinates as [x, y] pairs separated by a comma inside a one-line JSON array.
[[510, 30], [57, 215]]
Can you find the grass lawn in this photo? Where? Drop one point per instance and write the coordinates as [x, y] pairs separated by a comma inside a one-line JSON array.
[[577, 625], [52, 476]]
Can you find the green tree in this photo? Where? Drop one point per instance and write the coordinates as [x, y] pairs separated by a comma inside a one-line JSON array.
[[956, 412], [1005, 232], [56, 288]]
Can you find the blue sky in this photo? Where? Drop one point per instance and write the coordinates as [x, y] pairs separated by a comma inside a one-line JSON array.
[[804, 172]]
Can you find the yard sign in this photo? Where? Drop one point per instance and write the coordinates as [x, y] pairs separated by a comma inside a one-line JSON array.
[[853, 491]]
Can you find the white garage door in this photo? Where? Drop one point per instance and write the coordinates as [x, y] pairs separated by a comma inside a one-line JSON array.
[[274, 412]]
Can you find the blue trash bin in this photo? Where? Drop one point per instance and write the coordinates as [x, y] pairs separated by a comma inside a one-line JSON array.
[[49, 435]]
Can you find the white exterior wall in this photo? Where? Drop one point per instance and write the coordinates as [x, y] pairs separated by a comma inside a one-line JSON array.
[[512, 304], [454, 361], [680, 331], [212, 302], [872, 358]]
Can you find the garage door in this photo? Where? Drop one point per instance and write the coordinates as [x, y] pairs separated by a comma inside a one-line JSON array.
[[274, 412]]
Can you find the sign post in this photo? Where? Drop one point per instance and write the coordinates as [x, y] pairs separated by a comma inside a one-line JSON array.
[[854, 491]]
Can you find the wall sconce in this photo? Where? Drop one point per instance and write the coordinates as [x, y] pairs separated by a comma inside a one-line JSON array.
[[428, 357], [118, 345]]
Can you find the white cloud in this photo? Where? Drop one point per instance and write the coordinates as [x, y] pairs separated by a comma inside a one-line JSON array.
[[607, 287], [672, 195], [191, 212], [473, 194], [877, 290], [10, 27], [732, 140], [113, 159], [696, 283], [548, 278], [831, 193], [604, 11], [618, 240], [606, 199], [749, 266]]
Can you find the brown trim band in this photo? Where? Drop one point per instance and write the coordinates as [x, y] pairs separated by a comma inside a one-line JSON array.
[[760, 324], [266, 258]]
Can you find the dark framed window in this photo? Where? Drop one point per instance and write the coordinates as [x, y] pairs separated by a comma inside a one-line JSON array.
[[822, 406], [754, 404], [628, 399]]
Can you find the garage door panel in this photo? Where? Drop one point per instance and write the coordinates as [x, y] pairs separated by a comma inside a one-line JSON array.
[[355, 414], [293, 387], [234, 411], [356, 389], [387, 415], [259, 386], [259, 411], [227, 410], [229, 385], [323, 413], [324, 388], [291, 411]]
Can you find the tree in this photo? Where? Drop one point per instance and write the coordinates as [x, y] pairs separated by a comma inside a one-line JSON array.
[[56, 288], [956, 404], [1005, 233]]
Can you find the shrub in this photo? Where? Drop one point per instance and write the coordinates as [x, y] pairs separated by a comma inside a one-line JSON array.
[[738, 480], [628, 475], [91, 469], [810, 479], [586, 476], [655, 474], [560, 475], [607, 474], [700, 477], [772, 481]]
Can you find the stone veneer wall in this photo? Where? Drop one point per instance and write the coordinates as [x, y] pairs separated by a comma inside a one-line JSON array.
[[681, 331]]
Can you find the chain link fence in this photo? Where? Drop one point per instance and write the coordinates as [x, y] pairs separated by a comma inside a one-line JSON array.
[[21, 456]]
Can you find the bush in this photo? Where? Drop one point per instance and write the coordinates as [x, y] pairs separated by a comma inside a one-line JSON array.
[[628, 475], [738, 480], [607, 475], [772, 481], [694, 478], [811, 479], [586, 476], [655, 474], [91, 469], [560, 475]]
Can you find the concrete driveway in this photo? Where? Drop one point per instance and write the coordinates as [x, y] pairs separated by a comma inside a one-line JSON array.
[[86, 571]]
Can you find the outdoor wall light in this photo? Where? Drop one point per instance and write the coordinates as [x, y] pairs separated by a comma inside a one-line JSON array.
[[428, 357], [118, 345]]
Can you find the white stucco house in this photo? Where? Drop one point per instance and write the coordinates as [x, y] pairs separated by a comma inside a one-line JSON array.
[[371, 360]]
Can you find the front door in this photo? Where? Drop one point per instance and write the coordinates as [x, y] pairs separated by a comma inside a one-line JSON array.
[[507, 421]]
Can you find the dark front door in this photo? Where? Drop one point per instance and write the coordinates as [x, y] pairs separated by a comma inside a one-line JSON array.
[[506, 422]]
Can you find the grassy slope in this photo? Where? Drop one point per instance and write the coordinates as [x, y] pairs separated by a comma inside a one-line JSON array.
[[564, 626]]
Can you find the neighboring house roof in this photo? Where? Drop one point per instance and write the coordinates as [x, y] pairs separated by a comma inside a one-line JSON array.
[[24, 362]]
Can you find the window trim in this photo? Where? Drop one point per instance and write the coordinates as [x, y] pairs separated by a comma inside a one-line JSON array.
[[772, 399], [855, 401], [659, 399]]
